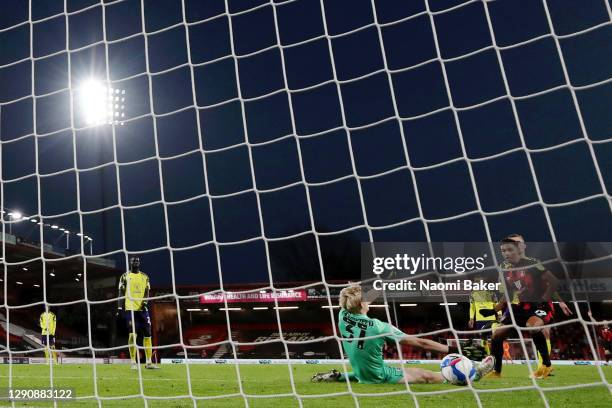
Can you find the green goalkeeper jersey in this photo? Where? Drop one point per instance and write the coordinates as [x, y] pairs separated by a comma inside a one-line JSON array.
[[366, 355]]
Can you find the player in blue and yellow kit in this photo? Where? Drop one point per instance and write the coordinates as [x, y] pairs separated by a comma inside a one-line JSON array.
[[47, 324], [134, 286], [482, 299], [365, 353]]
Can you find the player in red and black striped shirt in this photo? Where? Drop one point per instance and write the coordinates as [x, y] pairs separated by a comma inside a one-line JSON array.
[[532, 285], [556, 296]]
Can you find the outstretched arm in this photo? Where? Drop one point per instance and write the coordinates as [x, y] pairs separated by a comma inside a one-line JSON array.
[[564, 307], [425, 344]]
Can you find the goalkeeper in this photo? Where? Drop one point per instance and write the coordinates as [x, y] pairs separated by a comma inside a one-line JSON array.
[[47, 323], [365, 355], [134, 287]]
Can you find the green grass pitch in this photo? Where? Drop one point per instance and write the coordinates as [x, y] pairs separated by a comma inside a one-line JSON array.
[[267, 380]]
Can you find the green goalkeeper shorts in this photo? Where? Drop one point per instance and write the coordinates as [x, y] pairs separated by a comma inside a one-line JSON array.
[[393, 375], [387, 375]]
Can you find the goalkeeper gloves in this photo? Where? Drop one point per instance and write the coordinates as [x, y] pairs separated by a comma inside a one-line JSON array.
[[476, 353], [487, 312]]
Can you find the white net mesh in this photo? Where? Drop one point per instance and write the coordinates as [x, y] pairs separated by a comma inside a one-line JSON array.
[[288, 123]]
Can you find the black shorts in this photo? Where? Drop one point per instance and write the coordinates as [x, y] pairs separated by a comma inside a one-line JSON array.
[[43, 339], [142, 321], [523, 311]]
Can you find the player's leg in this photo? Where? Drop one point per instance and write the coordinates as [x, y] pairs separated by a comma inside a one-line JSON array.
[[502, 333], [348, 376], [546, 332], [52, 347], [484, 336], [148, 345], [420, 376], [497, 346], [333, 376], [484, 367], [129, 318], [145, 324], [132, 349], [47, 354], [539, 340], [44, 339]]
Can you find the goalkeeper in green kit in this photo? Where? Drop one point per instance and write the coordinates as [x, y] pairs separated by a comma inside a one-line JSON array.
[[365, 352]]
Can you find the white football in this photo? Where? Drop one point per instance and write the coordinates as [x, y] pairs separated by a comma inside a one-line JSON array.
[[457, 369]]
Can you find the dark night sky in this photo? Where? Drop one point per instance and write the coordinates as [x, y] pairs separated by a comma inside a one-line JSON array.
[[328, 148]]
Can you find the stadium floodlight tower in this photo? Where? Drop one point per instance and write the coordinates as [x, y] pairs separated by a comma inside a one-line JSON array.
[[100, 104]]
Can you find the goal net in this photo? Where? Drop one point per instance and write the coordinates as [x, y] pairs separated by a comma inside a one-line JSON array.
[[243, 150]]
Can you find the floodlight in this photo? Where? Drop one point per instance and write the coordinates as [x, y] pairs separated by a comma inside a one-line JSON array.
[[93, 102], [96, 103]]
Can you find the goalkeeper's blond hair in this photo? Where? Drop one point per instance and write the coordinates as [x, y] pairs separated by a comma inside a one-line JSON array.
[[350, 299]]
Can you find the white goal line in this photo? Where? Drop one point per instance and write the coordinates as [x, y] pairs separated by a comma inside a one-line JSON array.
[[258, 361], [281, 361]]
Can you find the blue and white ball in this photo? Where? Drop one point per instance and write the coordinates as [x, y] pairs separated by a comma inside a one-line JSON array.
[[457, 369]]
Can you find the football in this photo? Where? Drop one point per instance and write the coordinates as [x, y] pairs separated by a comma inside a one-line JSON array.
[[457, 369]]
